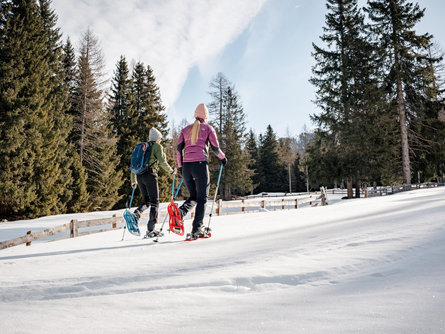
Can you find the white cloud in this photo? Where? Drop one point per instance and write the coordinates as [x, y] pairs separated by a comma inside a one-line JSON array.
[[171, 36]]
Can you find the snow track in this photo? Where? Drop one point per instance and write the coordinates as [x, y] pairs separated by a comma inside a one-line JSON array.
[[359, 266]]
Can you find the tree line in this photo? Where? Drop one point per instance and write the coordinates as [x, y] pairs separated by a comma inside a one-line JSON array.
[[67, 135], [379, 86]]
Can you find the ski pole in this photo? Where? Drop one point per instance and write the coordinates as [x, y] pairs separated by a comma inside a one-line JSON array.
[[214, 198], [129, 206], [173, 198]]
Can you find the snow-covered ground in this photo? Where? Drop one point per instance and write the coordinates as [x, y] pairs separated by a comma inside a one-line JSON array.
[[358, 266]]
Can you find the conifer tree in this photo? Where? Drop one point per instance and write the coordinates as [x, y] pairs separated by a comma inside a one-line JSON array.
[[236, 177], [299, 183], [427, 131], [272, 169], [124, 121], [218, 90], [346, 93], [252, 150], [158, 119], [228, 118], [136, 106], [79, 200], [287, 149], [76, 197], [35, 178], [69, 64], [402, 51], [93, 132]]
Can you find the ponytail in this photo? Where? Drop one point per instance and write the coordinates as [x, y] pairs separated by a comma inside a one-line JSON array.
[[195, 131]]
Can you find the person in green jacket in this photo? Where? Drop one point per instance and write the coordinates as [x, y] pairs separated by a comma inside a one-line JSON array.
[[148, 182]]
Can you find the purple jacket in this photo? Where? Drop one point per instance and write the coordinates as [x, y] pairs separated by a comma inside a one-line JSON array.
[[199, 151]]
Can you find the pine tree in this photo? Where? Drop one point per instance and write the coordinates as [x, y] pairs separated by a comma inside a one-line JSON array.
[[93, 133], [273, 176], [401, 48], [69, 64], [236, 177], [299, 183], [218, 90], [347, 93], [79, 200], [136, 106], [120, 97], [253, 154], [228, 118], [36, 175], [75, 197], [287, 150], [158, 119], [427, 131], [124, 122]]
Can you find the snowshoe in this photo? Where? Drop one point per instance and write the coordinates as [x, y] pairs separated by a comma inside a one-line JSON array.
[[175, 221], [153, 234], [200, 234], [132, 223]]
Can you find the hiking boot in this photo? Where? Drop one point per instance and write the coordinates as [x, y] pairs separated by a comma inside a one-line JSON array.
[[136, 215], [182, 213], [201, 232], [151, 234]]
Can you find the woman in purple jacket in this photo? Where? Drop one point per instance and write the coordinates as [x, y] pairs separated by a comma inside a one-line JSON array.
[[192, 157]]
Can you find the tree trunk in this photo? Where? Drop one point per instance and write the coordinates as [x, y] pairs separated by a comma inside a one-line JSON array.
[[290, 181], [406, 170], [401, 110], [227, 192], [349, 187]]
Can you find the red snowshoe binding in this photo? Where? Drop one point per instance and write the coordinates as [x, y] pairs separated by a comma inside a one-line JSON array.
[[175, 220]]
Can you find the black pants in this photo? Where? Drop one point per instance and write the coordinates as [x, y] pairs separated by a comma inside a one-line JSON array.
[[197, 180], [148, 185]]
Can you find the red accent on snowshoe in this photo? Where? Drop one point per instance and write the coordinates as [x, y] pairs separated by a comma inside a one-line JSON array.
[[175, 221]]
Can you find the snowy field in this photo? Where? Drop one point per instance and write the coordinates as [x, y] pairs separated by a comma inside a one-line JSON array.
[[358, 266]]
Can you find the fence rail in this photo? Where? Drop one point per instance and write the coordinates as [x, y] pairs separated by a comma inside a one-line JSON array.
[[74, 225], [387, 190], [243, 205], [221, 209]]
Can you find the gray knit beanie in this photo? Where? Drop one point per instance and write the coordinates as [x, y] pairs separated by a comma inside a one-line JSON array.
[[154, 135]]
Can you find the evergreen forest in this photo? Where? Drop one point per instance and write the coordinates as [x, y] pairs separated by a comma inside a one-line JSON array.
[[67, 132]]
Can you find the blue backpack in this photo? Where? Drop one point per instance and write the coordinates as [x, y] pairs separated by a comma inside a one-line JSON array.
[[140, 158]]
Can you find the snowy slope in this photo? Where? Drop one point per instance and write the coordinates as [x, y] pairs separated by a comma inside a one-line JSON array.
[[359, 266]]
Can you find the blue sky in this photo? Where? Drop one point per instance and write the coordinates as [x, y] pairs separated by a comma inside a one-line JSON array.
[[262, 46]]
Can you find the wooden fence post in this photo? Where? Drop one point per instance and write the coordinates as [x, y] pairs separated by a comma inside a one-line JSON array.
[[282, 204], [263, 206], [113, 224], [29, 242], [73, 228], [219, 207], [243, 209], [296, 203]]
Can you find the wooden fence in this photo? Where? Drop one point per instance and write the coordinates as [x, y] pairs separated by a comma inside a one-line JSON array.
[[220, 207], [387, 190]]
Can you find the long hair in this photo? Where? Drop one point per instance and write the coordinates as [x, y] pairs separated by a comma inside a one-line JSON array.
[[195, 131]]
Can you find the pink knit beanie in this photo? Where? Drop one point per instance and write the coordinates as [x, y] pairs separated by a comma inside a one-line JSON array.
[[201, 111]]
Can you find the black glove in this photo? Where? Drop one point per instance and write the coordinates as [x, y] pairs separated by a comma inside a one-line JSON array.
[[223, 161]]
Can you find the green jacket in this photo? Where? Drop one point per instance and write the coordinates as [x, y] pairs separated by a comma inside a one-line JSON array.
[[157, 157]]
